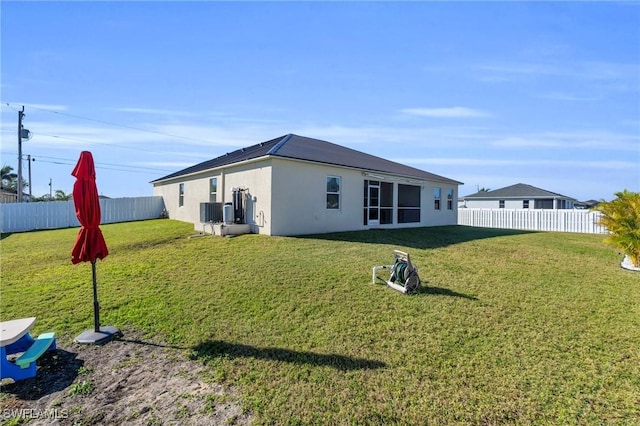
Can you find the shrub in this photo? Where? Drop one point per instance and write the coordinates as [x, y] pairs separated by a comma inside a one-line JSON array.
[[621, 216]]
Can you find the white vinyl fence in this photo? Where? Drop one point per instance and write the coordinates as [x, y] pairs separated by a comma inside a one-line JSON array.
[[21, 217], [580, 221]]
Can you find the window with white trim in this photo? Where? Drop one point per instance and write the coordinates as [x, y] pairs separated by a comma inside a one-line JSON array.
[[525, 204], [501, 204], [213, 190], [437, 192], [449, 199], [181, 195], [333, 192]]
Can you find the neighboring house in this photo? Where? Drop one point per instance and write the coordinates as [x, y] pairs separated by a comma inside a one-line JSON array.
[[294, 185], [518, 196], [586, 205], [8, 196], [11, 197]]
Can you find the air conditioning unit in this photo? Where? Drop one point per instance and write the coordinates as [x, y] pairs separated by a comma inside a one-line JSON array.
[[210, 212]]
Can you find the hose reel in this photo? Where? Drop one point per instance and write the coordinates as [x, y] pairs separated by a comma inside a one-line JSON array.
[[404, 274]]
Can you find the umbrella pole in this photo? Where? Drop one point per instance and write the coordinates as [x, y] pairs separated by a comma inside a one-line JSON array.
[[96, 306], [98, 335]]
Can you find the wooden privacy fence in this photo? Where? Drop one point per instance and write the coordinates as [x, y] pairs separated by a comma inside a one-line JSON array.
[[21, 217], [579, 221]]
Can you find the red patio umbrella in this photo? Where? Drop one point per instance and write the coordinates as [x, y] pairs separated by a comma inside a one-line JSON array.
[[90, 244]]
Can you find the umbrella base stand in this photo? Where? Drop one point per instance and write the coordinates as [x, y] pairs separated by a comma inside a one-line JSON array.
[[92, 337]]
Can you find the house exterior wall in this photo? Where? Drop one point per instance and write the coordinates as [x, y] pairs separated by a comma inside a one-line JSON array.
[[299, 203], [444, 216], [513, 203], [516, 204], [193, 185], [495, 204], [289, 197], [481, 204], [255, 176]]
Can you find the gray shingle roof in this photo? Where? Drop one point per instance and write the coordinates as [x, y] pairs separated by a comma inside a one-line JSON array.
[[315, 150], [519, 190]]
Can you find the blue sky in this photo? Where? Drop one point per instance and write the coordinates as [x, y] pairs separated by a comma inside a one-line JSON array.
[[490, 94]]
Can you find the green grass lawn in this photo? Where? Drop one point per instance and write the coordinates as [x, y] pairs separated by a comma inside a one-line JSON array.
[[513, 327]]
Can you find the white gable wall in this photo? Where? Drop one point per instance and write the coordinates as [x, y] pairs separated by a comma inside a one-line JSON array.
[[299, 204], [429, 216]]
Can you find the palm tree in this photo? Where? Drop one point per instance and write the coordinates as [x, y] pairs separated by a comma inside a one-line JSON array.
[[621, 216], [9, 179], [61, 196]]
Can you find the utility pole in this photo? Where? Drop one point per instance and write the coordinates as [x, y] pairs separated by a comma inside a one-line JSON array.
[[50, 191], [20, 116], [29, 159]]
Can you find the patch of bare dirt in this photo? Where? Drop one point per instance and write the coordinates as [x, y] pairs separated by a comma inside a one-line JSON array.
[[125, 381]]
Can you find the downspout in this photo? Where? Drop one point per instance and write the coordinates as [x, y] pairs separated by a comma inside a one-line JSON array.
[[222, 191]]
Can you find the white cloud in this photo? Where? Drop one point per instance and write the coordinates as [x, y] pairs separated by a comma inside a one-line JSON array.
[[393, 137], [616, 76], [506, 162], [450, 112], [156, 111], [346, 135], [571, 140], [172, 165], [50, 107], [65, 135], [570, 97], [506, 69], [233, 136]]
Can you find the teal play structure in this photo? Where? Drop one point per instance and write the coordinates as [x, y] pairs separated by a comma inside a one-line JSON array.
[[19, 351]]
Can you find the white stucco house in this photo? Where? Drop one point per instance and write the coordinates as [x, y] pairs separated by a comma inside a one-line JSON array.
[[295, 185], [518, 196]]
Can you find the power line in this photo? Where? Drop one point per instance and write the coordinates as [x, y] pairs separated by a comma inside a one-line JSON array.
[[109, 164], [107, 144], [72, 163], [117, 167], [9, 105], [115, 124], [191, 157]]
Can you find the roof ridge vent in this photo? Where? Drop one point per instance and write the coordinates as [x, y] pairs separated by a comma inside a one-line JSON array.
[[277, 146]]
